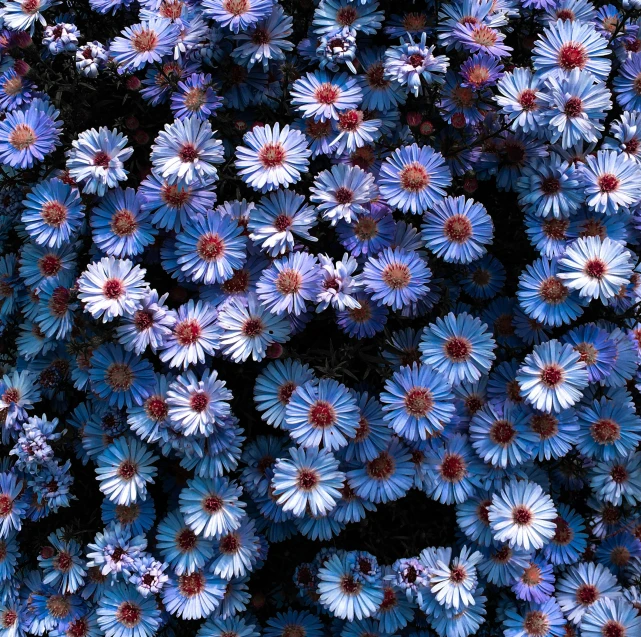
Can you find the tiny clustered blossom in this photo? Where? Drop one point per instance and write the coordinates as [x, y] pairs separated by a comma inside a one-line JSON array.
[[320, 318]]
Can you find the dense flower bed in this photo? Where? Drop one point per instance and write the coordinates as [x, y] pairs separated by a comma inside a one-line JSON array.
[[320, 318]]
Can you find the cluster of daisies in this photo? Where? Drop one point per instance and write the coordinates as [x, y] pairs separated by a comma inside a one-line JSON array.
[[450, 192]]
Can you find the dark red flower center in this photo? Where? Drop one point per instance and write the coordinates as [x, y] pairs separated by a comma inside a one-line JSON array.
[[414, 177], [522, 515], [572, 55], [502, 432]]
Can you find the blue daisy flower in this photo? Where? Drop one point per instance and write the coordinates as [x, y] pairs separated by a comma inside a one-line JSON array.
[[310, 480], [172, 205], [124, 469], [237, 16], [568, 45], [619, 553], [379, 92], [535, 582], [519, 98], [414, 178], [211, 506], [396, 278], [481, 38], [194, 334], [523, 515], [484, 278], [248, 329], [147, 327], [364, 321], [279, 219], [138, 517], [363, 17], [463, 106], [9, 556], [148, 575], [500, 435], [351, 508], [39, 264], [321, 95], [458, 347], [608, 615], [607, 429], [625, 361], [410, 63], [529, 330], [195, 97], [556, 432], [342, 192], [611, 182], [355, 129], [544, 619], [147, 42], [580, 10], [120, 227], [454, 582], [272, 157], [289, 282], [114, 551], [569, 541], [402, 348], [345, 592], [15, 90], [65, 566], [418, 403], [56, 308], [596, 268], [198, 407], [193, 596], [26, 136], [553, 377], [550, 236], [372, 434], [293, 620], [581, 586], [457, 229], [452, 471], [472, 519], [187, 151], [210, 247], [236, 553], [321, 413], [53, 213], [625, 83], [466, 621], [54, 610], [265, 41], [550, 187], [545, 298], [96, 159], [480, 70], [13, 509], [123, 612], [185, 551], [369, 233], [259, 457], [574, 107], [385, 478], [596, 349], [589, 223], [275, 387], [119, 377]]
